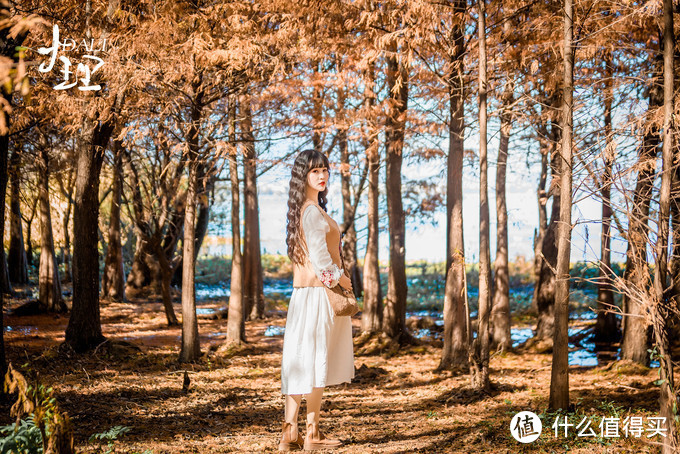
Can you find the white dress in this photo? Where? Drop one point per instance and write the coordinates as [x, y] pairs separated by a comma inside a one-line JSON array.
[[317, 345]]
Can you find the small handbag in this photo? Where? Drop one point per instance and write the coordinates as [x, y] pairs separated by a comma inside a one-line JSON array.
[[342, 300]]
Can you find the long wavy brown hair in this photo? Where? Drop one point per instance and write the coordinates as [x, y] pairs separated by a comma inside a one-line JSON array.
[[297, 194]]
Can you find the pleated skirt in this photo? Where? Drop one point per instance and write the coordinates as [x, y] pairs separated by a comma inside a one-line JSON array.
[[317, 345]]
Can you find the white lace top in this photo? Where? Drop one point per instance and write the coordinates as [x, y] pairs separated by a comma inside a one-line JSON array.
[[315, 227]]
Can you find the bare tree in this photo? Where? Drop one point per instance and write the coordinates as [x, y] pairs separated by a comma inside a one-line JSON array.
[[606, 329], [394, 314], [16, 256], [479, 365], [372, 314], [559, 379], [661, 311], [113, 281], [48, 275], [455, 351], [236, 328]]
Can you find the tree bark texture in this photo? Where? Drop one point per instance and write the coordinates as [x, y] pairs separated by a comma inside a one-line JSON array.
[[17, 262], [636, 332], [394, 315], [5, 284], [236, 327], [606, 327], [371, 315], [349, 239], [542, 198], [559, 379], [544, 293], [480, 364], [253, 286], [84, 327], [4, 155], [66, 251], [49, 285], [191, 350], [113, 281], [661, 312], [455, 349], [500, 314]]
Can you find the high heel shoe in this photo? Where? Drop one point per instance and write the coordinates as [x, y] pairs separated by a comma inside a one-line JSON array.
[[316, 440], [290, 437]]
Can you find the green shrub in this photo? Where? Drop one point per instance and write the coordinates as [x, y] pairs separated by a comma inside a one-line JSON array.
[[21, 438], [109, 437]]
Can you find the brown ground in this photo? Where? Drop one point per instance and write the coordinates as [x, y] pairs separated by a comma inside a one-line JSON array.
[[394, 405]]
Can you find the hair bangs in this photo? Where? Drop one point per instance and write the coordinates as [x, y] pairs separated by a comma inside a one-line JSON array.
[[317, 160]]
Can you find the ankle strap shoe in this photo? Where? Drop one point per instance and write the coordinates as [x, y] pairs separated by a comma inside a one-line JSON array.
[[316, 440], [290, 438]]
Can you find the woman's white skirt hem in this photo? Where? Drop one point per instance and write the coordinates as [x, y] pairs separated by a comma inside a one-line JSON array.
[[317, 345]]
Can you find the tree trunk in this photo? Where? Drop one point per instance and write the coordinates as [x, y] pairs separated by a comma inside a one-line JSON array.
[[29, 229], [67, 192], [4, 153], [371, 316], [5, 285], [236, 327], [253, 279], [559, 379], [636, 333], [660, 312], [394, 316], [349, 239], [84, 329], [606, 329], [68, 276], [544, 292], [206, 183], [479, 367], [113, 279], [542, 198], [7, 49], [16, 258], [49, 286], [317, 108], [500, 314], [140, 273], [166, 276], [455, 350], [191, 349]]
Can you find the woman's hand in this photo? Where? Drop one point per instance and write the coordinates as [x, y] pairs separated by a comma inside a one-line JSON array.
[[345, 282]]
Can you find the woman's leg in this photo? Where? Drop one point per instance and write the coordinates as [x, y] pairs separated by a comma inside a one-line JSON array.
[[292, 407], [314, 405], [314, 439], [290, 436]]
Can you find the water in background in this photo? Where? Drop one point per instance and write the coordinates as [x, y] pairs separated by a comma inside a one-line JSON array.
[[426, 321]]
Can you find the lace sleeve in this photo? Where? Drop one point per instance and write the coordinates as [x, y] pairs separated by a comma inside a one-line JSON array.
[[315, 228]]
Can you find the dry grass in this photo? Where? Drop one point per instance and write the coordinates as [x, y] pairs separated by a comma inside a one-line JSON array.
[[396, 404]]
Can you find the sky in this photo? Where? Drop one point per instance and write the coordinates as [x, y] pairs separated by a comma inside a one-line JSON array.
[[428, 241]]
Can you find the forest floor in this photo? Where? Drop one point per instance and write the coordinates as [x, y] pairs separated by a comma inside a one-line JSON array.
[[397, 403]]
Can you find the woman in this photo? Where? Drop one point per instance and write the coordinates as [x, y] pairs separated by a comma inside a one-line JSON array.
[[317, 345]]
